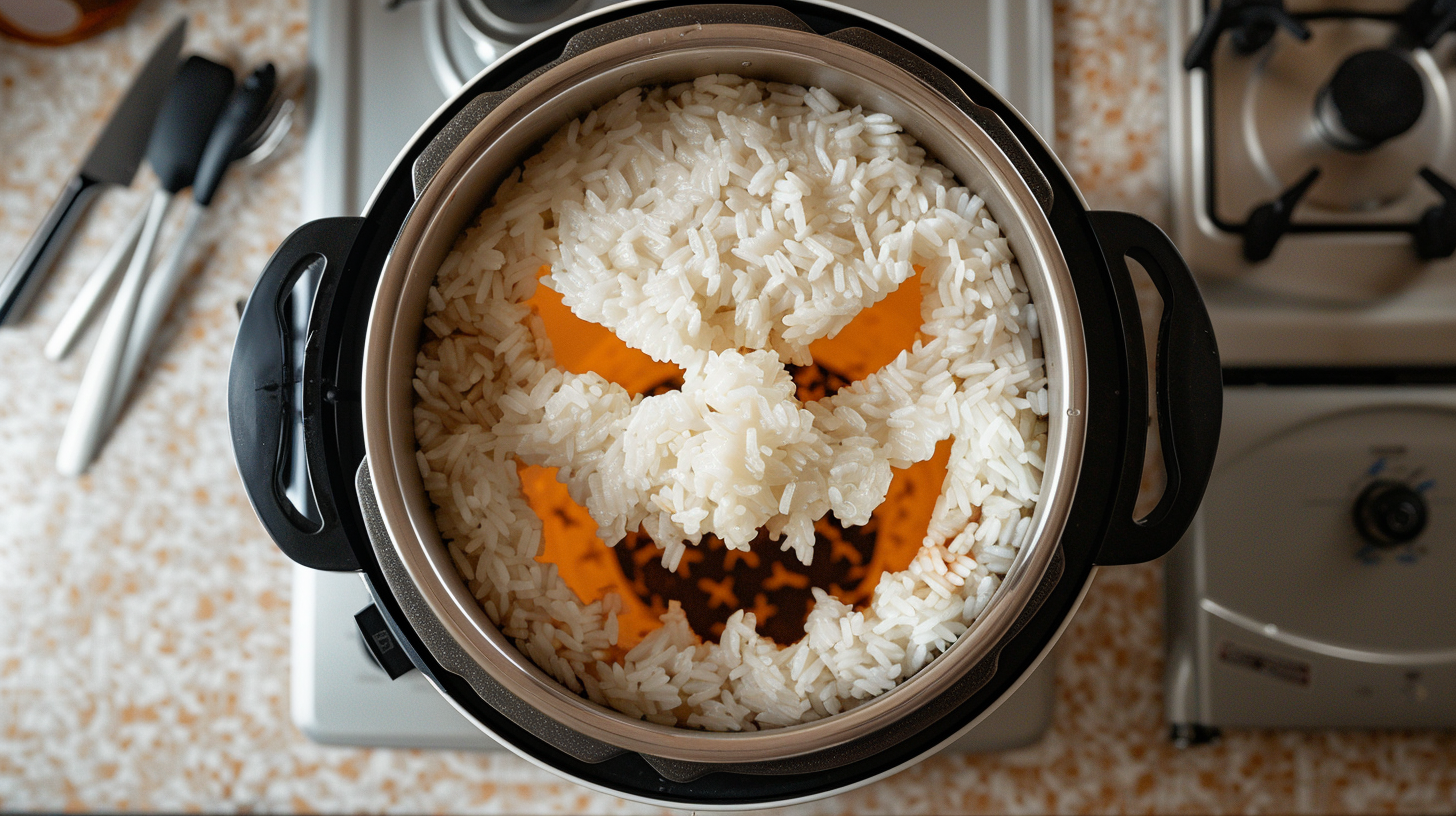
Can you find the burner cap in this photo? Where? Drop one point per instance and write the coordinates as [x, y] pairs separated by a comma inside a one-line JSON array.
[[526, 12], [1373, 97], [462, 37], [512, 21]]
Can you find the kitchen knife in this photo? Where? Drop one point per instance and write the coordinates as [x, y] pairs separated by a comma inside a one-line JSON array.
[[114, 159]]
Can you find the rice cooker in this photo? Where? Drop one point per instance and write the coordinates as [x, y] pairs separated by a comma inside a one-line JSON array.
[[356, 398]]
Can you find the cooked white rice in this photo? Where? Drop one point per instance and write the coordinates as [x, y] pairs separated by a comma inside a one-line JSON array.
[[723, 225]]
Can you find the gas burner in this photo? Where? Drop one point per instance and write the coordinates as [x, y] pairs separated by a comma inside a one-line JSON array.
[[1315, 143], [1338, 97], [1345, 103], [1312, 197], [464, 36]]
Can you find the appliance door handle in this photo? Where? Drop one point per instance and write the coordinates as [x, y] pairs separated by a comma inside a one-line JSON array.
[[1189, 390], [261, 413]]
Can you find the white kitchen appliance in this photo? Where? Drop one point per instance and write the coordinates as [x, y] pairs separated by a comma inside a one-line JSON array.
[[1313, 149], [381, 69]]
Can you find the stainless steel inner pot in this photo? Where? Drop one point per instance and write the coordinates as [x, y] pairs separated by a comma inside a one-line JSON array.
[[457, 178]]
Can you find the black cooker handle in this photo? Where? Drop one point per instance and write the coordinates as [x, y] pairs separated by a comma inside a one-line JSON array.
[[261, 412], [1189, 390]]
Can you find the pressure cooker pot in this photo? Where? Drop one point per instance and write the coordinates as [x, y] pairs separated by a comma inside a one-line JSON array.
[[357, 399]]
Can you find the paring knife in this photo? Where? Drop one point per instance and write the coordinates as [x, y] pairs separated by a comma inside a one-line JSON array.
[[114, 159]]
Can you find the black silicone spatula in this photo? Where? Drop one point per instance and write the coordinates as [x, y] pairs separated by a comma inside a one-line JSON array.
[[242, 115], [192, 106]]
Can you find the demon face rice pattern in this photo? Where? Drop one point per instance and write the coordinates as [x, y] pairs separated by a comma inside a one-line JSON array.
[[722, 226]]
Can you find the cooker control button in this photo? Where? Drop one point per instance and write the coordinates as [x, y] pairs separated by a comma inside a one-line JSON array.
[[380, 641], [1389, 513], [1374, 96]]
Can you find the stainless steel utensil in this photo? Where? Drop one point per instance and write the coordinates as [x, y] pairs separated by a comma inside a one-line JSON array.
[[192, 107], [265, 140], [95, 290], [113, 159]]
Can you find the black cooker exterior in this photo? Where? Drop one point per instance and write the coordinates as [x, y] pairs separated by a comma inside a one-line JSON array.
[[1099, 531]]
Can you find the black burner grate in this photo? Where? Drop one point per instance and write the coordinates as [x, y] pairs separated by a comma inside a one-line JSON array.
[[1252, 25]]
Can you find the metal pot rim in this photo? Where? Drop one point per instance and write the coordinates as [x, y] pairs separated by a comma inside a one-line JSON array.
[[393, 336]]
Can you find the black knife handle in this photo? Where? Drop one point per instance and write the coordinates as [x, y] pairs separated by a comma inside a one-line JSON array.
[[23, 280]]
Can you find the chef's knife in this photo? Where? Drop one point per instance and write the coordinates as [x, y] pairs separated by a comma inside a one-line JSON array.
[[114, 159]]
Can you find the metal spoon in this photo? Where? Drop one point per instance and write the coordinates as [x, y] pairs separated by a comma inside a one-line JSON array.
[[264, 141], [193, 104]]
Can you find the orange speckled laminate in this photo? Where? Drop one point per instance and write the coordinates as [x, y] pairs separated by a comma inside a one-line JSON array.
[[144, 630]]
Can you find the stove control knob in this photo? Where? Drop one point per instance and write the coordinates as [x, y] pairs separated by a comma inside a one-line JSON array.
[[1388, 514], [1373, 97]]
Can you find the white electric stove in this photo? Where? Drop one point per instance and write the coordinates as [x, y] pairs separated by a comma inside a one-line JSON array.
[[381, 69]]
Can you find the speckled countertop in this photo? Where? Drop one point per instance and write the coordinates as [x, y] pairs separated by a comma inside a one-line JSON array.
[[144, 613]]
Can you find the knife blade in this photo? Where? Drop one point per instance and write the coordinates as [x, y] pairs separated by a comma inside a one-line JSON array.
[[114, 158]]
